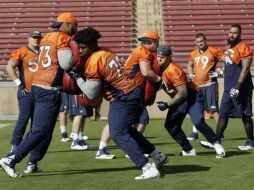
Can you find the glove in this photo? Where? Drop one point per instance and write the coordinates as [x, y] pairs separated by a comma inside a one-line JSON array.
[[162, 85], [74, 73], [214, 74], [23, 90], [162, 105], [190, 77], [234, 92]]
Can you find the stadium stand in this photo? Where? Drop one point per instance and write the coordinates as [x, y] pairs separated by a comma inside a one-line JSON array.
[[183, 19], [113, 18]]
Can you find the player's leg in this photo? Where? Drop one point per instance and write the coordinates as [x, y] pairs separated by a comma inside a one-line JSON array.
[[173, 125], [63, 117], [26, 109], [247, 121], [103, 152]]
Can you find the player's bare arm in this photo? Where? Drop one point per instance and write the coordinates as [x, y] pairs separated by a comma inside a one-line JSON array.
[[147, 72], [180, 96], [10, 68], [190, 67], [246, 63]]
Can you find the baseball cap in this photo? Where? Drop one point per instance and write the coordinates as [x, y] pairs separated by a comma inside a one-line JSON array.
[[164, 50], [149, 35], [64, 17], [34, 33]]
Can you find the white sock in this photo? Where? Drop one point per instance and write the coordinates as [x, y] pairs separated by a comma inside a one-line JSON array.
[[102, 145], [63, 128], [80, 136], [75, 136], [194, 129]]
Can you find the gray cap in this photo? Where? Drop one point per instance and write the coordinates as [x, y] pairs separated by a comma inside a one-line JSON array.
[[34, 33], [164, 50]]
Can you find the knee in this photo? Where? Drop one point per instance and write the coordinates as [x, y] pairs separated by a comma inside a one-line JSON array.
[[247, 121], [200, 122], [172, 129]]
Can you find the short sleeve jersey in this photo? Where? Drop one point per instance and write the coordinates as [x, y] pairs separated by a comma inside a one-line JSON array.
[[174, 76], [204, 63], [104, 65], [27, 62], [233, 66], [49, 72], [132, 64]]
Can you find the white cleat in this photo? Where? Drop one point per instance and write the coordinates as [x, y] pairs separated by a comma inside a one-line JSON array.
[[249, 145], [76, 146], [5, 164], [104, 154], [192, 152], [206, 144], [220, 152], [149, 172]]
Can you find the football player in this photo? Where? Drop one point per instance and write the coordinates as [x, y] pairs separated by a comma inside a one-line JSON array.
[[185, 98], [104, 74], [201, 68], [26, 59], [237, 97], [55, 56]]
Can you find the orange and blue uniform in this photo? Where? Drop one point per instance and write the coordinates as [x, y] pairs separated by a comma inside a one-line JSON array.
[[50, 73], [104, 65], [242, 105], [132, 64], [203, 64], [27, 61], [174, 76], [46, 91], [124, 96]]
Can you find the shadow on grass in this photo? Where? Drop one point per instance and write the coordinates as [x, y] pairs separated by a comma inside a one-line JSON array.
[[165, 170], [69, 150], [228, 153], [183, 169], [73, 172], [235, 139]]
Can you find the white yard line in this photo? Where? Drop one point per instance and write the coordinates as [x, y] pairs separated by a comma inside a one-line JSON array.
[[4, 125]]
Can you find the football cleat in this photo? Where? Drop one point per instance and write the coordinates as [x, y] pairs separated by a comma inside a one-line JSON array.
[[206, 144], [64, 137], [249, 145], [104, 154], [220, 152], [32, 168], [150, 171], [8, 165], [192, 152], [193, 137], [75, 145]]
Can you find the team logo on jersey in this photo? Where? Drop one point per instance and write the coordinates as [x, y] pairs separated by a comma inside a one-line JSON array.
[[228, 55]]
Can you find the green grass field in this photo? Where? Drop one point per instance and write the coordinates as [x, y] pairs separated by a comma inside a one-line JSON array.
[[67, 169]]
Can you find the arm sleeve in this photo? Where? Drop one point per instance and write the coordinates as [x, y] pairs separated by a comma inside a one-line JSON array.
[[90, 88], [65, 58]]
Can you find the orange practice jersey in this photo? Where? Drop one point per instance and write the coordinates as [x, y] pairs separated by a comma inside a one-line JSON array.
[[241, 51], [27, 61], [132, 64], [204, 63], [104, 65], [174, 76], [50, 73]]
